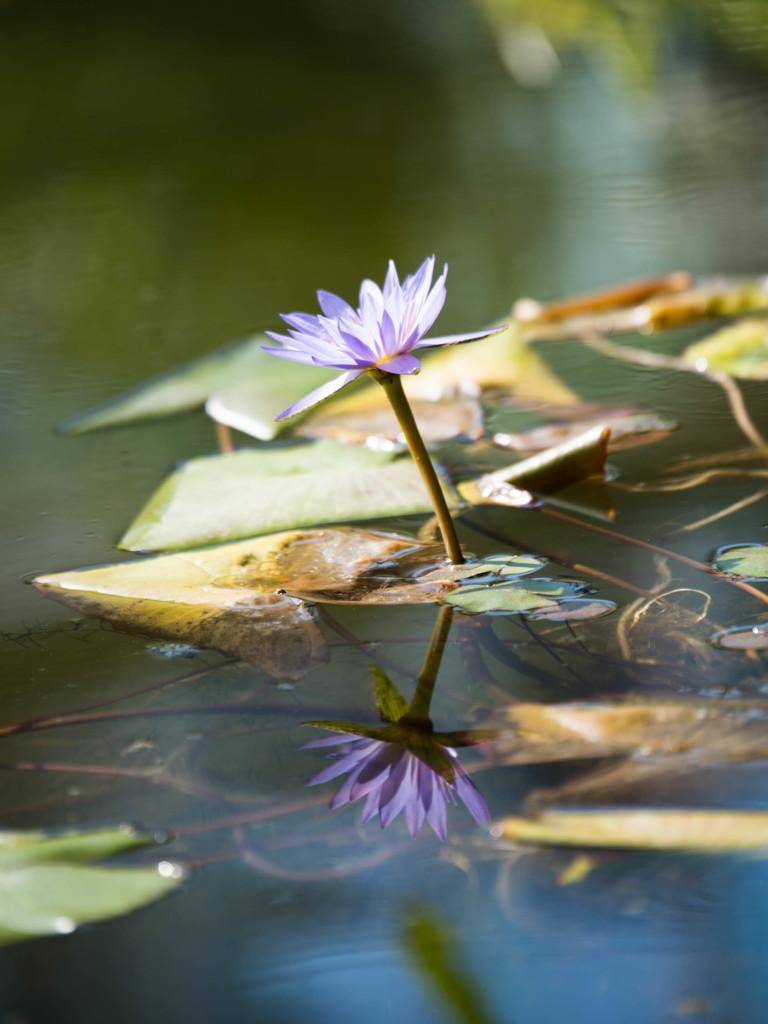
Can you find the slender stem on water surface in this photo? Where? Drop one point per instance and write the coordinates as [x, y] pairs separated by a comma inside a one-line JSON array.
[[425, 684], [393, 387], [224, 438]]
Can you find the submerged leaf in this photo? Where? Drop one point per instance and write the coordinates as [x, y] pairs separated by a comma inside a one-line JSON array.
[[692, 831], [225, 497], [745, 560], [272, 385], [741, 349]]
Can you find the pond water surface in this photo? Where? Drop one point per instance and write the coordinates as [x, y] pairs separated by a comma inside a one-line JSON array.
[[172, 178]]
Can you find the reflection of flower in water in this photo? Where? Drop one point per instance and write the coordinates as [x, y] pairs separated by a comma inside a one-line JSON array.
[[393, 779]]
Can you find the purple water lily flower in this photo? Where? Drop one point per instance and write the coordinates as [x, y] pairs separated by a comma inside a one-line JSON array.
[[393, 779], [382, 333]]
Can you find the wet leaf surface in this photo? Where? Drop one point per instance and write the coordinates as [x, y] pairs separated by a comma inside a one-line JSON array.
[[579, 458], [47, 886], [242, 598], [225, 497], [741, 350], [273, 384], [513, 596], [747, 560], [742, 638]]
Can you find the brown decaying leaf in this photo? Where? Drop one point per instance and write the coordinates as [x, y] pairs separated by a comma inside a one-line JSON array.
[[693, 831], [620, 310], [233, 597], [581, 457], [628, 428], [442, 420]]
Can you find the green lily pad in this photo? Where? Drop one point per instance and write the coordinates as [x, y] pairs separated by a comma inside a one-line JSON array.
[[226, 497], [747, 560], [47, 889], [514, 596], [741, 350], [499, 565], [272, 385]]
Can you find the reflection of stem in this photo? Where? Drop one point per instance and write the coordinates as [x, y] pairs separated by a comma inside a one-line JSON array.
[[642, 357], [393, 388], [425, 684]]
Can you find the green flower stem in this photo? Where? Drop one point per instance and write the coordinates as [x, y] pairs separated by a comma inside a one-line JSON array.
[[425, 684], [393, 387]]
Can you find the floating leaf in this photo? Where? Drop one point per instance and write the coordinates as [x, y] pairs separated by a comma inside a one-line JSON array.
[[579, 458], [21, 847], [273, 384], [45, 889], [49, 899], [233, 597], [440, 420], [225, 497], [498, 565], [513, 596], [745, 560], [741, 349], [658, 312], [627, 428], [577, 608], [692, 831], [743, 638]]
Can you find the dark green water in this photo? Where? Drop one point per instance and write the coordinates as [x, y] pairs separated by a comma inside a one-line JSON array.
[[172, 178]]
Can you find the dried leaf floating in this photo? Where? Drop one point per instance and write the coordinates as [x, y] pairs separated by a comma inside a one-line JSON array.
[[658, 310], [233, 597], [673, 829], [226, 497], [628, 427], [578, 458]]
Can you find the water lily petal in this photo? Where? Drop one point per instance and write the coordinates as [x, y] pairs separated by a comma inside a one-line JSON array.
[[320, 394], [472, 799], [333, 306], [403, 363], [458, 339], [293, 354]]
